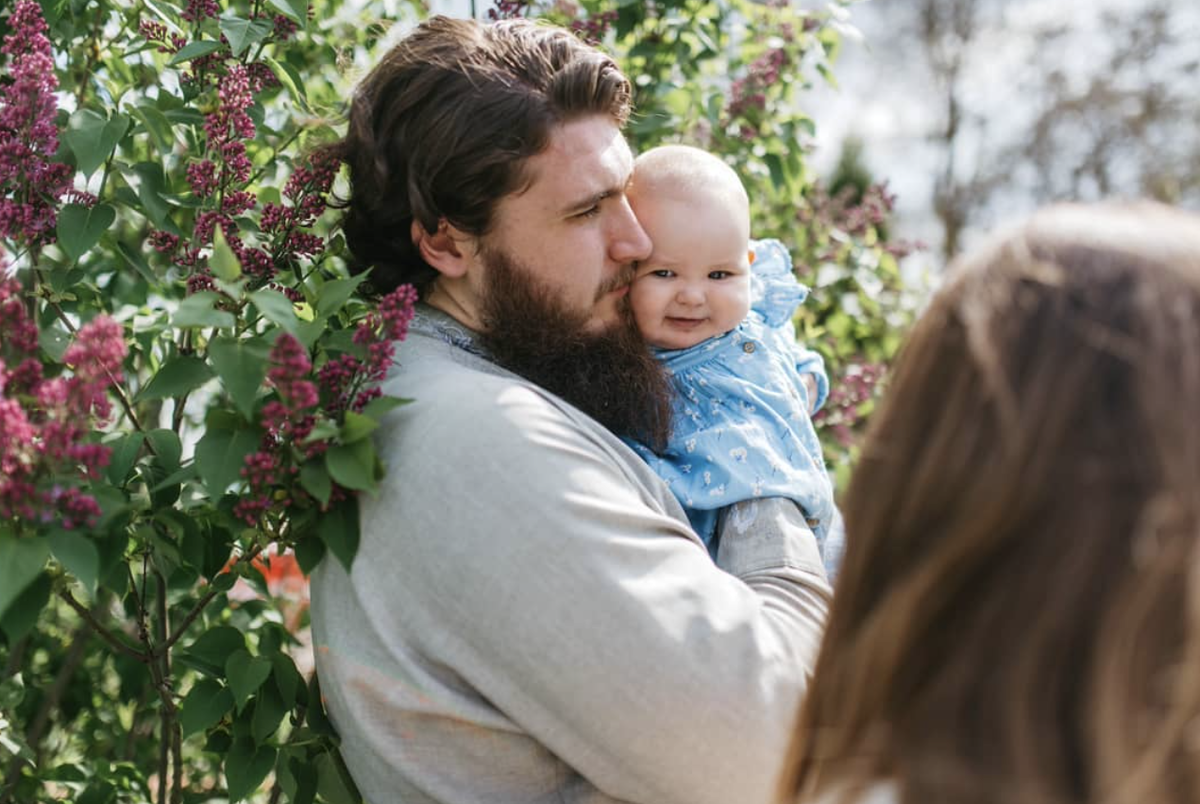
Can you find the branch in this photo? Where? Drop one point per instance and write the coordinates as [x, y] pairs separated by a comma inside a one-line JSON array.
[[105, 634], [201, 605]]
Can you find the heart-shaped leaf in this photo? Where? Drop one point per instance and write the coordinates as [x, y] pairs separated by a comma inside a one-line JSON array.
[[80, 227], [246, 674], [92, 138], [246, 766]]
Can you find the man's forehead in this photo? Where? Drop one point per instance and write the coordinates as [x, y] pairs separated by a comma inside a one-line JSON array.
[[584, 158]]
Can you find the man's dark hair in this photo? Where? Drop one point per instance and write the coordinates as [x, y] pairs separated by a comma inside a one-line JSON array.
[[443, 125]]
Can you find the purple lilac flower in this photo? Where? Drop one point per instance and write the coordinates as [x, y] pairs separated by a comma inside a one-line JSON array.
[[31, 185]]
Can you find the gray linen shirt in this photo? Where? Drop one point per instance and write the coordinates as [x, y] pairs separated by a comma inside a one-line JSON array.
[[530, 619]]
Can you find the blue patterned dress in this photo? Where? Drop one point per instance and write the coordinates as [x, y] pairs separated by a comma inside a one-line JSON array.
[[741, 422]]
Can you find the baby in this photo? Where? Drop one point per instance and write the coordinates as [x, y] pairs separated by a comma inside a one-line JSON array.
[[717, 309]]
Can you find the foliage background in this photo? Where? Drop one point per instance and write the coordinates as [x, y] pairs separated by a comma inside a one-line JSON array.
[[151, 648]]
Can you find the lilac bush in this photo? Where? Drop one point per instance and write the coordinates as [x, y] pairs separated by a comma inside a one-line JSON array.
[[189, 374]]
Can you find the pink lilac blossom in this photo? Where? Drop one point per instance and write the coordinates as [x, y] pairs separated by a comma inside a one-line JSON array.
[[200, 9], [508, 9], [594, 28], [842, 411], [749, 92], [31, 184], [288, 420], [45, 424]]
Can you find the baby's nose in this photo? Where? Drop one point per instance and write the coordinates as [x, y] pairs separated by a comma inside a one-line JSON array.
[[689, 294]]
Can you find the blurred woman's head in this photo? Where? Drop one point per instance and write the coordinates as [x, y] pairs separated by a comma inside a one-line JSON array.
[[1015, 618]]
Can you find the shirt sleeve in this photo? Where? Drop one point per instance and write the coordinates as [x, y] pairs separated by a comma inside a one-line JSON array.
[[559, 591]]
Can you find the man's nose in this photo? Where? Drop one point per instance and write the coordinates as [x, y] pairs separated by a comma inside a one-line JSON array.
[[628, 240]]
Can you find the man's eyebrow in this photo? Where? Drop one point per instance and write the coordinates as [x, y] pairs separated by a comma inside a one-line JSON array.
[[590, 201]]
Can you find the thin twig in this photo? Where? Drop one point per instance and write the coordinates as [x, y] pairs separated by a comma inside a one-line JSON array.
[[100, 630], [191, 616], [162, 685], [177, 759]]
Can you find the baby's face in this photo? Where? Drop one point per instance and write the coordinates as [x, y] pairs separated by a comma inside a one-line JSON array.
[[696, 283]]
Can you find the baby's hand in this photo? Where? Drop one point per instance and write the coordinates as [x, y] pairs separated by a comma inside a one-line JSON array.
[[810, 385]]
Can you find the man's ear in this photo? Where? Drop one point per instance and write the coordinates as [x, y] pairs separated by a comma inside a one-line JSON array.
[[447, 250]]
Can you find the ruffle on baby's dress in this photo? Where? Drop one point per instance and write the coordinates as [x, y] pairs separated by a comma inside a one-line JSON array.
[[774, 291]]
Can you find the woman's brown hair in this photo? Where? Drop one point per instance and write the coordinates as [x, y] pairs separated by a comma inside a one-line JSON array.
[[1016, 619]]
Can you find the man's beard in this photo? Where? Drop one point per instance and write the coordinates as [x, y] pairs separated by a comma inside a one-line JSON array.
[[609, 375]]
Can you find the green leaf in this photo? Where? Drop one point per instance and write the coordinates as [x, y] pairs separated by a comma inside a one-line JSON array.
[[333, 781], [220, 455], [124, 453], [194, 50], [305, 776], [223, 262], [167, 448], [357, 427], [78, 556], [138, 262], [246, 766], [294, 10], [314, 478], [79, 228], [380, 406], [198, 310], [241, 367], [20, 562], [246, 674], [353, 465], [778, 175], [244, 33], [204, 706], [338, 529], [309, 553], [291, 81], [175, 478], [151, 187], [269, 710], [333, 295], [22, 614], [178, 376], [158, 126], [54, 341], [92, 138], [210, 650], [287, 678], [277, 309]]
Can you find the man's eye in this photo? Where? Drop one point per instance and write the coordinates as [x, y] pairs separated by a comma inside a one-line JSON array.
[[590, 212]]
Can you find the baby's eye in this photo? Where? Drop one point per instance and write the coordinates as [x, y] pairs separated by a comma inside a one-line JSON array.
[[720, 274], [663, 272]]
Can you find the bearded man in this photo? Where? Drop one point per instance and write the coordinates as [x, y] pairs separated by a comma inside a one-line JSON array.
[[529, 617]]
